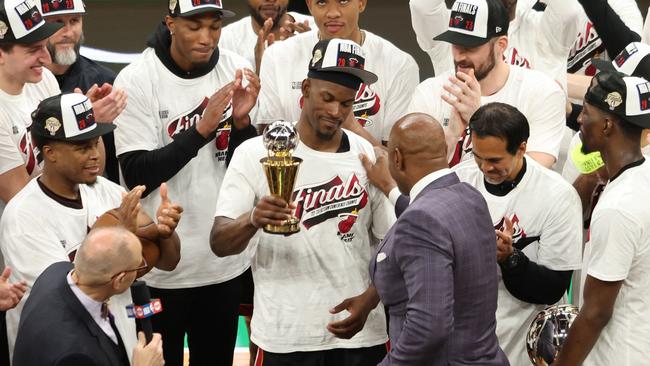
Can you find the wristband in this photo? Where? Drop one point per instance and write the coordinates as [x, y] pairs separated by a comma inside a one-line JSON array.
[[250, 219]]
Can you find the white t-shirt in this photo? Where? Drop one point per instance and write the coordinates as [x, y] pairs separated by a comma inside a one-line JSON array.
[[538, 97], [300, 277], [377, 107], [240, 37], [16, 147], [588, 43], [160, 106], [620, 251], [37, 231], [645, 37], [538, 40], [545, 210]]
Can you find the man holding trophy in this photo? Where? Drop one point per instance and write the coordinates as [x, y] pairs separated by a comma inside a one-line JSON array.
[[319, 222]]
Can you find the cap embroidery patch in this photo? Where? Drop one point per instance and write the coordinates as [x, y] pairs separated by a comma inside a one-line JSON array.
[[52, 124], [206, 2], [625, 55], [3, 29], [84, 114], [613, 99], [56, 5], [348, 56], [29, 14], [463, 16], [644, 95], [318, 55]]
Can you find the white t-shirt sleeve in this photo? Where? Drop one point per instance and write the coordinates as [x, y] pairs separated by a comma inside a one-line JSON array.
[[429, 18], [630, 14], [270, 108], [546, 115], [237, 194], [136, 125], [645, 37], [10, 156], [558, 24], [560, 245], [406, 79], [30, 252], [614, 239]]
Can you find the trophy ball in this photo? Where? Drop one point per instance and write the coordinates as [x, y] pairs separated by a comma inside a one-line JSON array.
[[548, 332], [280, 136]]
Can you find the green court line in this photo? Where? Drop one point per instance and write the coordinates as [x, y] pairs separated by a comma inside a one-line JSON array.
[[242, 334]]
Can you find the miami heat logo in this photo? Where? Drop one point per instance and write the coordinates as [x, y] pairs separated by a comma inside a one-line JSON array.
[[513, 57], [366, 105], [334, 198], [518, 231], [27, 149]]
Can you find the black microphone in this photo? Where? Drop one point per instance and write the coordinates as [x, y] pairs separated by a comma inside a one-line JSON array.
[[142, 298]]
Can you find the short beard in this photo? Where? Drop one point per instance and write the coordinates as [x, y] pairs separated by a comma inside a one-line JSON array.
[[66, 57], [257, 17], [485, 70]]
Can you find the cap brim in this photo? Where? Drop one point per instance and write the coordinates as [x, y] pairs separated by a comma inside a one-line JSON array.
[[461, 39], [63, 12], [100, 129], [366, 77], [43, 32], [224, 13], [603, 65]]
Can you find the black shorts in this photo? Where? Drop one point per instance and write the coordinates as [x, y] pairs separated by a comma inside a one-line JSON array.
[[369, 356], [246, 302]]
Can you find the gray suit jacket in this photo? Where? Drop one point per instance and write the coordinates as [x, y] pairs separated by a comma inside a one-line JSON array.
[[436, 272]]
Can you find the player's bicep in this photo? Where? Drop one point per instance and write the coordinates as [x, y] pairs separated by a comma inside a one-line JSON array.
[[12, 181]]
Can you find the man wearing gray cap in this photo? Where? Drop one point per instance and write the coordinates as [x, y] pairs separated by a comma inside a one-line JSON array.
[[305, 282], [612, 327]]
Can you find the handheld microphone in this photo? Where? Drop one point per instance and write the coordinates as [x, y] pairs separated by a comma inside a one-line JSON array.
[[143, 308]]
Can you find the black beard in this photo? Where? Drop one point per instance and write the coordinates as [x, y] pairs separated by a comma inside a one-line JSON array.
[[257, 17]]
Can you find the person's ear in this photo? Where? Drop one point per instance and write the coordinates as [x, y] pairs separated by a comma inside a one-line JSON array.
[[118, 281], [170, 22], [399, 160], [501, 46], [522, 149], [362, 5], [306, 88]]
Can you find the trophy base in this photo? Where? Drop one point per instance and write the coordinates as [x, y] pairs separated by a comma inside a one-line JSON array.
[[290, 226]]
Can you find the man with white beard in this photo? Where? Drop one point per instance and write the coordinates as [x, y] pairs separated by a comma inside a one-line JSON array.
[[75, 71]]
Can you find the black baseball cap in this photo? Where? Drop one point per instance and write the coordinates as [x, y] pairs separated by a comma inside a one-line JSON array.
[[473, 23], [634, 60], [67, 117], [61, 7], [340, 61], [188, 8], [21, 22], [627, 97]]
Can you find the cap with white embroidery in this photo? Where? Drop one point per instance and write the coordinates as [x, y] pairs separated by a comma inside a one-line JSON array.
[[474, 22], [21, 22], [627, 97]]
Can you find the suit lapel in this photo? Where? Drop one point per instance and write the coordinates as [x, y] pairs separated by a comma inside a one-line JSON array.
[[103, 340], [442, 182]]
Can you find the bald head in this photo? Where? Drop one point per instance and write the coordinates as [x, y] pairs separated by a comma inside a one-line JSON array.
[[105, 252], [419, 134]]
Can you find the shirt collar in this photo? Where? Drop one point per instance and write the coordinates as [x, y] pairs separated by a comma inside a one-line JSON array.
[[426, 180], [93, 307]]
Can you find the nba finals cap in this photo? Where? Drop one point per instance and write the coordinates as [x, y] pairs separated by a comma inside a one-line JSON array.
[[627, 97], [473, 23], [21, 22], [634, 60], [61, 7], [67, 117], [340, 61], [188, 8]]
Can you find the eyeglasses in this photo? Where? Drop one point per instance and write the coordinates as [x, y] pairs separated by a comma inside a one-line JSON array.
[[138, 269]]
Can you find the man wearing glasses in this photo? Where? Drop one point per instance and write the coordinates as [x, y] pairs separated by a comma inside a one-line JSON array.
[[68, 313], [47, 220]]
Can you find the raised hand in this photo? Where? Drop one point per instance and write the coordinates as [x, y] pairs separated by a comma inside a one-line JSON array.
[[130, 208], [214, 110], [378, 173], [168, 214], [244, 98], [107, 102], [466, 92], [265, 38], [10, 293], [504, 241]]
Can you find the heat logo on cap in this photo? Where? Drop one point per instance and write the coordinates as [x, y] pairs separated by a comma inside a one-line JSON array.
[[206, 2], [29, 14], [56, 5], [644, 95], [463, 16], [83, 112], [348, 56]]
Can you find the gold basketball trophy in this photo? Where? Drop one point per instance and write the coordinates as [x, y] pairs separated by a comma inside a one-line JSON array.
[[280, 139]]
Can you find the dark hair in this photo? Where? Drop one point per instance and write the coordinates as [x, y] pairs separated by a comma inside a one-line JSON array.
[[7, 47], [502, 121], [39, 141]]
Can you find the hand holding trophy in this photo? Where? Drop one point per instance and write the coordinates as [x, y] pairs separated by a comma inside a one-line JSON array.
[[281, 168]]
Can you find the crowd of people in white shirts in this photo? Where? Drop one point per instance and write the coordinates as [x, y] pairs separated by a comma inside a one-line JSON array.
[[206, 86]]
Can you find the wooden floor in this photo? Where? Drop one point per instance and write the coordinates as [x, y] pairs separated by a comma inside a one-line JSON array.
[[241, 359]]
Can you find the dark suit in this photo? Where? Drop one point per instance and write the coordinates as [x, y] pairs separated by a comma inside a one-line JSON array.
[[56, 329], [436, 272]]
